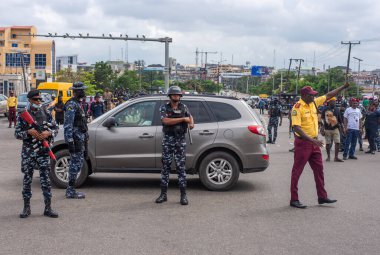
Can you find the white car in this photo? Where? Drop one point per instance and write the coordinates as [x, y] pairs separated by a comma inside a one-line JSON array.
[[3, 105]]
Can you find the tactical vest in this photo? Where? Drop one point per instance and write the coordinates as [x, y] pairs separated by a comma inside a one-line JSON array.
[[41, 118], [180, 128], [80, 120]]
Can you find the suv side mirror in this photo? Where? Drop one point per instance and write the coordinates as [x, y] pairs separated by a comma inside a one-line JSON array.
[[110, 122]]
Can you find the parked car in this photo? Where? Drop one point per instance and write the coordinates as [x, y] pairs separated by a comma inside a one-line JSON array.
[[3, 105], [228, 139], [23, 101]]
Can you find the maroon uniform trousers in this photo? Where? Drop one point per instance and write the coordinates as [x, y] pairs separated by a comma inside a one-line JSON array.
[[12, 115], [305, 152]]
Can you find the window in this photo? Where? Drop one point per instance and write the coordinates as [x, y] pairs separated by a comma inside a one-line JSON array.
[[136, 115], [2, 98], [26, 45], [14, 36], [1, 88], [11, 86], [224, 112], [14, 59], [198, 111], [14, 45], [70, 60], [1, 43], [69, 93], [40, 61]]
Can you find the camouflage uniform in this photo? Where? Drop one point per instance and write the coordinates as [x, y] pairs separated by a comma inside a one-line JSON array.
[[75, 132], [174, 142], [32, 155], [275, 112]]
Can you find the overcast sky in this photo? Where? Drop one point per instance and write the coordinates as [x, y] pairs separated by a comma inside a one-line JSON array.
[[248, 30]]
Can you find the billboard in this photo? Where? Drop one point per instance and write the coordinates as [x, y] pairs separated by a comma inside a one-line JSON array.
[[259, 71]]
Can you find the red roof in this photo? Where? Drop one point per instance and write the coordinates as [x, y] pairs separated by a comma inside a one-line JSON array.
[[21, 27], [2, 28]]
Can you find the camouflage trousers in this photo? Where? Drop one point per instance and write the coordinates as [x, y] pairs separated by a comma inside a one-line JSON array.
[[76, 164], [30, 160], [273, 123], [173, 146]]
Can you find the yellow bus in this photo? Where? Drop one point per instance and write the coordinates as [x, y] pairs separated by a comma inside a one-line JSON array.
[[58, 89]]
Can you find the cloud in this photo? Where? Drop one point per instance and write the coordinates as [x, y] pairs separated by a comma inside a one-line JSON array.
[[247, 29]]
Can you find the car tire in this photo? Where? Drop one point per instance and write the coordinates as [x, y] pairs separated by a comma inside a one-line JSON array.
[[216, 176], [60, 179]]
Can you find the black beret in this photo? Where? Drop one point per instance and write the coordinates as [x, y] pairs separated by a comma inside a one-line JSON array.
[[33, 93]]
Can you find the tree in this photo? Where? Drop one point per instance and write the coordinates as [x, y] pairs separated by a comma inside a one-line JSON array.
[[128, 79], [104, 76]]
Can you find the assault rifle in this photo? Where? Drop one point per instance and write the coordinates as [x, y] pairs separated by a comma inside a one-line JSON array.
[[33, 124]]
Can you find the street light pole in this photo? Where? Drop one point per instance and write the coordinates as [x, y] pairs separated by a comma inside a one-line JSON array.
[[357, 81]]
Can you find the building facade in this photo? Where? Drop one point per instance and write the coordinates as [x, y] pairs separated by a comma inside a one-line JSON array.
[[64, 62], [38, 56]]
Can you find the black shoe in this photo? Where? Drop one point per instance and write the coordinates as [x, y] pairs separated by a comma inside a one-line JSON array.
[[373, 152], [26, 211], [297, 204], [344, 157], [163, 196], [368, 152], [269, 141], [183, 199], [361, 149], [322, 201], [291, 150], [352, 157], [71, 193], [274, 142], [48, 211]]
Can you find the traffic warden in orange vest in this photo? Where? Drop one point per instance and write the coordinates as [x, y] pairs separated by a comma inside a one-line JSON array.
[[307, 146]]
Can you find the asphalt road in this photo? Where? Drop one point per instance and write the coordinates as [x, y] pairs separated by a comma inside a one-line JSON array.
[[119, 215]]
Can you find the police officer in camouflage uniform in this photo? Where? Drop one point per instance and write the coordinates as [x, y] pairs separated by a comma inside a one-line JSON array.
[[274, 115], [176, 119], [33, 156], [76, 136]]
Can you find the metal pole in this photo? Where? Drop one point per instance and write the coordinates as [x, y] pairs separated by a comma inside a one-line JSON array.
[[23, 71], [166, 72], [357, 80]]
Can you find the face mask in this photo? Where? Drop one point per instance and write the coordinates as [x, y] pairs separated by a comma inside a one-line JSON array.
[[36, 106], [81, 94]]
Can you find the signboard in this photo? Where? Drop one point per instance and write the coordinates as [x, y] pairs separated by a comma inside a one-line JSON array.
[[259, 71], [40, 75], [159, 69]]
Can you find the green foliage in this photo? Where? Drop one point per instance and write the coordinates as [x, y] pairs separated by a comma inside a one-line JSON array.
[[322, 82], [104, 76], [129, 79]]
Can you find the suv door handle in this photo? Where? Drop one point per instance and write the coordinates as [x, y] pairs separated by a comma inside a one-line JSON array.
[[146, 135], [206, 132]]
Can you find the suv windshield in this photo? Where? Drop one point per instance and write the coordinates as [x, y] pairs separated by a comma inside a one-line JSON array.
[[22, 98], [49, 91]]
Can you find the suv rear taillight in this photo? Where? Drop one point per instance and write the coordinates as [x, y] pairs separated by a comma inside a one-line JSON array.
[[258, 130]]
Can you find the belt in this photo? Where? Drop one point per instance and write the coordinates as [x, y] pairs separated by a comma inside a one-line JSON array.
[[304, 139]]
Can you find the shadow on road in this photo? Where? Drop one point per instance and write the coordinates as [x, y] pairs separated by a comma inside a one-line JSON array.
[[147, 183]]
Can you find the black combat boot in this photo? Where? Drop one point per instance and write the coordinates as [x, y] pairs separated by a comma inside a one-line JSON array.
[[26, 211], [183, 200], [163, 197], [48, 211]]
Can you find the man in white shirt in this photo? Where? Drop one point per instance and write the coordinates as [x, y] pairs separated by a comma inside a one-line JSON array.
[[352, 128]]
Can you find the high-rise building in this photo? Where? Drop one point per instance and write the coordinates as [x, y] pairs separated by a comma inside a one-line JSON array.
[[38, 56]]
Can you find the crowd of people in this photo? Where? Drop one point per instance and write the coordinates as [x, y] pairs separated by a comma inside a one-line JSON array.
[[343, 122]]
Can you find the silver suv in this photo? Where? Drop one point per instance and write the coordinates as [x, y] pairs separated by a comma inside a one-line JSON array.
[[228, 139]]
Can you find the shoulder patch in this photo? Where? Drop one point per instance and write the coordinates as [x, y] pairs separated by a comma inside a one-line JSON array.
[[297, 105], [294, 113]]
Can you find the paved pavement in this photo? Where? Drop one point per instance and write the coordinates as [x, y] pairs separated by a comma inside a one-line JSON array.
[[119, 215]]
